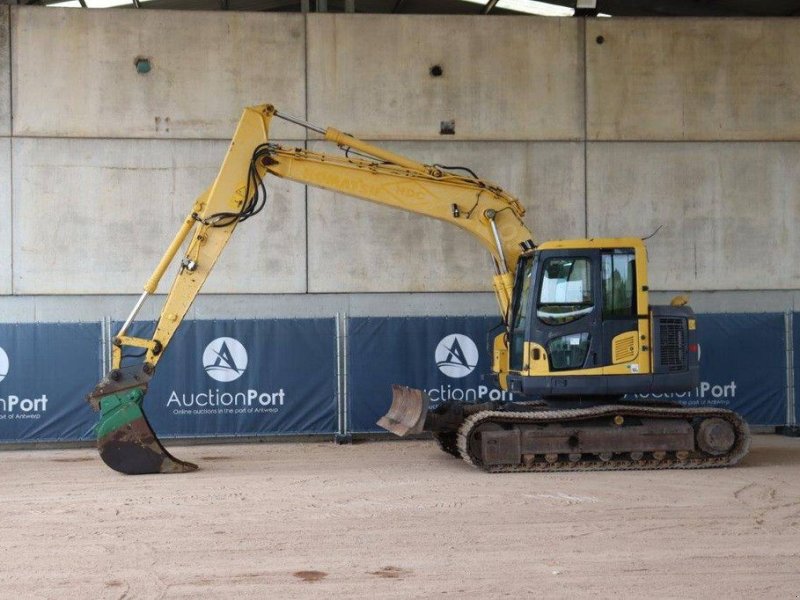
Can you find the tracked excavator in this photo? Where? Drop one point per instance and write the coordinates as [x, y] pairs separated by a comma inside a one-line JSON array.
[[581, 347]]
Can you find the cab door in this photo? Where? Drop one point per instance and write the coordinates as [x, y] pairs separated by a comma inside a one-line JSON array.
[[566, 316], [619, 313]]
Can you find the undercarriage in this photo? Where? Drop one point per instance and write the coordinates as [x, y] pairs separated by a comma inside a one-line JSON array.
[[520, 437]]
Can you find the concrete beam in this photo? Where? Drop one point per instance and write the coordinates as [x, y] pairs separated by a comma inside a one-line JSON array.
[[44, 309], [94, 217], [75, 73], [5, 73], [29, 309], [356, 246], [693, 79], [501, 78], [729, 211], [5, 216]]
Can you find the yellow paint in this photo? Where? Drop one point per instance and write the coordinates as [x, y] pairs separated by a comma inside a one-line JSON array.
[[152, 284], [624, 347], [500, 354], [679, 301], [425, 191], [385, 177], [536, 367]]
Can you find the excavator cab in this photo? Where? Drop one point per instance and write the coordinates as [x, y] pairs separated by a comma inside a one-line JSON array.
[[582, 345], [581, 332], [582, 327]]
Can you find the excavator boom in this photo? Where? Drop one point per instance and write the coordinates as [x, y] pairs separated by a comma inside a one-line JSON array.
[[126, 441]]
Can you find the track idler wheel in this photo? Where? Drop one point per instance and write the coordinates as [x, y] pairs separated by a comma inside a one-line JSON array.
[[715, 436]]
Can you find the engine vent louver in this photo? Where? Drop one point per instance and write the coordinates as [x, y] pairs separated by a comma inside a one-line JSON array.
[[673, 343], [624, 348]]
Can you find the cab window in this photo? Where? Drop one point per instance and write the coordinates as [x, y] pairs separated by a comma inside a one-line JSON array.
[[522, 303], [619, 284], [566, 292]]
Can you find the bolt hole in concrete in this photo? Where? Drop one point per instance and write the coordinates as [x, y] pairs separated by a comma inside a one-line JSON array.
[[447, 127], [437, 71], [600, 39], [143, 65]]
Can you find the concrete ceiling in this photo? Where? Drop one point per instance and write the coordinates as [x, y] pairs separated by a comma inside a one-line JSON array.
[[612, 7]]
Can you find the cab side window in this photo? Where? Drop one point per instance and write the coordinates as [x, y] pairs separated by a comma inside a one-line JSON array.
[[619, 284], [566, 293]]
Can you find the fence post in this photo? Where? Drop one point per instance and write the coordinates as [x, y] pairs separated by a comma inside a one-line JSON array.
[[791, 428], [343, 435]]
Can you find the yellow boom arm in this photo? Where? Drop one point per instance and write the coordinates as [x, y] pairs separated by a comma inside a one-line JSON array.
[[125, 439], [492, 215]]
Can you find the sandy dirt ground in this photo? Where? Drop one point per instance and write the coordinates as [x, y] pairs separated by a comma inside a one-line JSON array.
[[394, 520]]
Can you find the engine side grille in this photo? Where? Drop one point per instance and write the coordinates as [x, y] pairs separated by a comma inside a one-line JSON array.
[[624, 348], [673, 343]]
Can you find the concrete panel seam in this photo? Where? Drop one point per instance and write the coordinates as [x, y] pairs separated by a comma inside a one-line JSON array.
[[582, 53], [11, 149], [305, 74], [722, 141], [143, 139], [305, 143], [305, 200], [10, 77], [11, 210]]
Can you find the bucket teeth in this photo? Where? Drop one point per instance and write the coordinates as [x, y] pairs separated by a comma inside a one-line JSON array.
[[407, 412]]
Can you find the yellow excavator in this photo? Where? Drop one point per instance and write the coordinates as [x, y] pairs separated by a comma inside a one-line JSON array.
[[581, 349]]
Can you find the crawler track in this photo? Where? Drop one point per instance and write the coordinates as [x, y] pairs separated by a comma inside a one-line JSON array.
[[696, 459]]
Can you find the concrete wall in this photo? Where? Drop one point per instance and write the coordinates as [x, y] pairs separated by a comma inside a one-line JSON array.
[[5, 73], [102, 219], [693, 79], [691, 124], [6, 217], [503, 78], [5, 155], [730, 212], [205, 68]]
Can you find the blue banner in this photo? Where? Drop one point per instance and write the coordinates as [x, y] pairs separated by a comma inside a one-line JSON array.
[[448, 357], [742, 366], [268, 377], [249, 377], [46, 370]]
